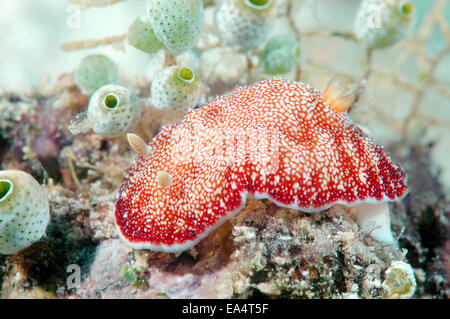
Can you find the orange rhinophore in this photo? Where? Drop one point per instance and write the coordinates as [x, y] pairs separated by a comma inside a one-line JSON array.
[[340, 93]]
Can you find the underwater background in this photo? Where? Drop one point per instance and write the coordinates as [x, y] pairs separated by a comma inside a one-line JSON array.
[[266, 250]]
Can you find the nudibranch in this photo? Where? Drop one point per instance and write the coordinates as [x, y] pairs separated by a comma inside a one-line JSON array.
[[277, 139]]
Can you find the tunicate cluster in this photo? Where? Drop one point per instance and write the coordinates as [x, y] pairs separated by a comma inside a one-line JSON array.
[[244, 24], [24, 211], [381, 23], [95, 71], [175, 87], [113, 110], [281, 55]]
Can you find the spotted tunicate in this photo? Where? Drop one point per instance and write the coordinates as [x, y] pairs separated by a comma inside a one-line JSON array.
[[113, 110], [95, 71], [175, 87], [381, 23], [142, 36], [244, 24], [177, 23], [24, 211], [281, 55]]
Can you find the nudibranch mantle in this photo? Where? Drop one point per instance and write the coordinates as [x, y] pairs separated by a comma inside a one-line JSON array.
[[276, 139]]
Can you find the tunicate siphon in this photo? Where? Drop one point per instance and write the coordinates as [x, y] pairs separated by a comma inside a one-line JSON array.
[[381, 23], [113, 110], [24, 211], [175, 87]]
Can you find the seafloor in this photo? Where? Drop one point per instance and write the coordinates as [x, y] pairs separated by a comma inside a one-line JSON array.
[[265, 251]]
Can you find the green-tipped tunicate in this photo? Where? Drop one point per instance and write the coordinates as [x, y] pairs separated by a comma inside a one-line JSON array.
[[24, 211], [381, 23], [175, 87], [142, 36], [113, 110], [281, 55], [244, 24], [95, 71], [177, 23]]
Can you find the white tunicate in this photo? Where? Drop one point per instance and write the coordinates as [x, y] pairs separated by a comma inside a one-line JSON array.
[[177, 23], [113, 110], [244, 24], [24, 211], [95, 71], [381, 23], [175, 87], [281, 55], [142, 36]]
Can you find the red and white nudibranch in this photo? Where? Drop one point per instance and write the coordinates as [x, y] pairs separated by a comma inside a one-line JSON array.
[[276, 139]]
